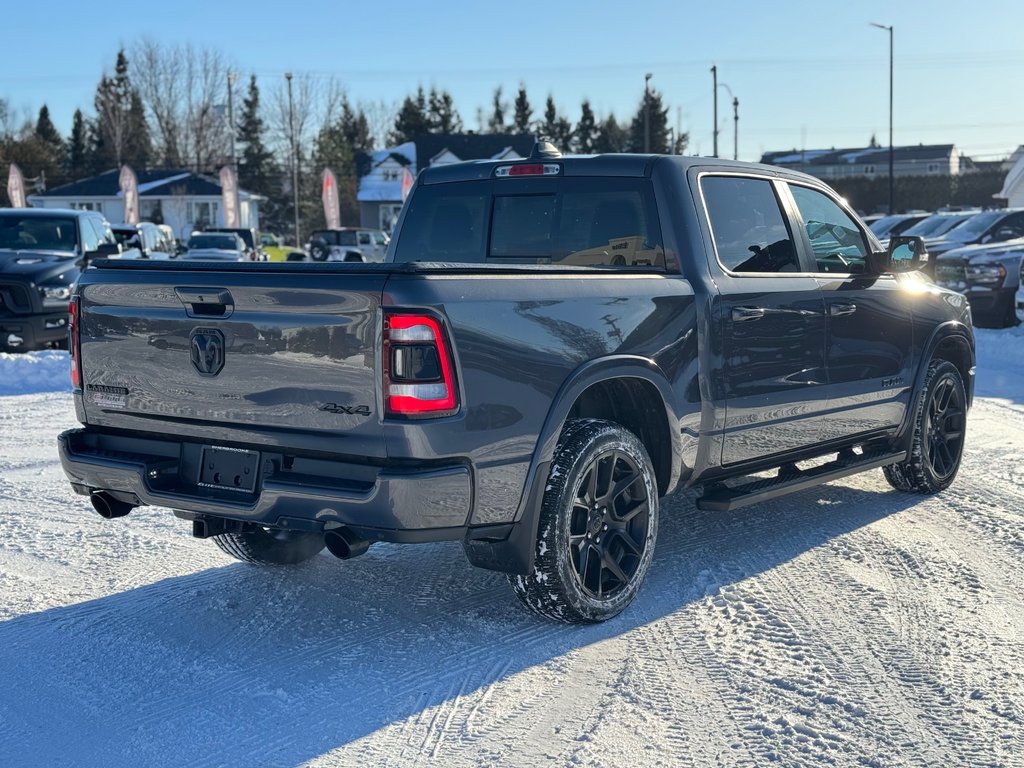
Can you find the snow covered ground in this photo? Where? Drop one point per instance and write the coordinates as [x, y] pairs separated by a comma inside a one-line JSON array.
[[850, 625]]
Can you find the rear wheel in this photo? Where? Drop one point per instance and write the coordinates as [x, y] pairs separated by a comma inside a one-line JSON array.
[[270, 546], [940, 421], [597, 528]]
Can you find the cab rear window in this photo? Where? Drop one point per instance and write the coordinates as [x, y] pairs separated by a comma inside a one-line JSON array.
[[577, 221]]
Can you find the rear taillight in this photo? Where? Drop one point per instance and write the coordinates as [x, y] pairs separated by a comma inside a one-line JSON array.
[[419, 377], [74, 341]]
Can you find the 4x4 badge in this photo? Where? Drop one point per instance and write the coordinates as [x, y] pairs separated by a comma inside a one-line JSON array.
[[206, 347], [351, 410]]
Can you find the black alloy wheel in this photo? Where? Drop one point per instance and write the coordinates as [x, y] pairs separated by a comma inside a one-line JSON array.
[[608, 525], [944, 427], [937, 442], [597, 526]]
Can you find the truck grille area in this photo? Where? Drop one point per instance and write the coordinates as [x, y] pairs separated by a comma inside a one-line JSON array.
[[14, 300]]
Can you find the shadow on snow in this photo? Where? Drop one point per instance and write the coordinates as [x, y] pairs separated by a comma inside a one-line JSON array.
[[277, 666]]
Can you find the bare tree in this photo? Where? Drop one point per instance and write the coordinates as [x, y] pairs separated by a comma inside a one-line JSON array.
[[184, 88], [380, 115]]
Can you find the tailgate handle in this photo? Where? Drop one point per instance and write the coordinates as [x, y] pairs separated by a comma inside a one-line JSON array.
[[206, 302]]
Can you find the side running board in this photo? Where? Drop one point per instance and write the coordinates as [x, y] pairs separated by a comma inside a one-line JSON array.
[[722, 498]]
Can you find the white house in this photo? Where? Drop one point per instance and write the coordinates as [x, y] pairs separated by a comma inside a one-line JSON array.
[[380, 189], [184, 200], [1013, 185]]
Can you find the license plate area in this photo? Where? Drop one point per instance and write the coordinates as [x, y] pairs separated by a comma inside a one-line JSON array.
[[229, 469]]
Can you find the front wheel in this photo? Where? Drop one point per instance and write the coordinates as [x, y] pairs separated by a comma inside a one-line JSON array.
[[597, 528], [937, 445], [270, 546]]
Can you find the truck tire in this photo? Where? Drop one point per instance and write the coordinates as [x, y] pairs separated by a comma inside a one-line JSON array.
[[270, 546], [597, 527], [937, 445]]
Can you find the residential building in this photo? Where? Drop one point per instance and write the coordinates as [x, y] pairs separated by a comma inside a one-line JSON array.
[[870, 162], [391, 172], [183, 200], [1013, 186]]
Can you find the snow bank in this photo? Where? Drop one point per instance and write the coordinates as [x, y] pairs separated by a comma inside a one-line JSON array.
[[30, 372], [1000, 356]]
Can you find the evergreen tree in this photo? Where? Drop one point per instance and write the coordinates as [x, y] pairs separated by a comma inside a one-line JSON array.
[[584, 138], [496, 122], [441, 113], [50, 140], [79, 161], [120, 133], [555, 126], [523, 116], [331, 149], [356, 127], [611, 137], [650, 108], [412, 119], [257, 171]]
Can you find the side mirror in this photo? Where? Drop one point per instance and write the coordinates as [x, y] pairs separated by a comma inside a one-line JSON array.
[[906, 253]]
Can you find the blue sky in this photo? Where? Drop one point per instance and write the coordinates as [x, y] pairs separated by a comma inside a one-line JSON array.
[[811, 74]]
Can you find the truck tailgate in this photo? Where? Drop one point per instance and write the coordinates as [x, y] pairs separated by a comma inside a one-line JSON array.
[[186, 350]]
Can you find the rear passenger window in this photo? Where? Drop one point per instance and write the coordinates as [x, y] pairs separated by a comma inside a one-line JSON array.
[[837, 242], [749, 229]]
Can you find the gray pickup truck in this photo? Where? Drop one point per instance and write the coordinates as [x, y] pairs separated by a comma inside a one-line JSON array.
[[551, 346]]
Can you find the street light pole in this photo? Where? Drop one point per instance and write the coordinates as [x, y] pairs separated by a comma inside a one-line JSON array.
[[295, 157], [647, 113], [714, 88], [892, 186]]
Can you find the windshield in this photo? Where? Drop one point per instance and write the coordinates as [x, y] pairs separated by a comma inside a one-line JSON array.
[[40, 233], [123, 236], [975, 226], [222, 242], [936, 225]]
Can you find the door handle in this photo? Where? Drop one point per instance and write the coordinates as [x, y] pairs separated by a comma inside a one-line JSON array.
[[743, 314], [839, 310]]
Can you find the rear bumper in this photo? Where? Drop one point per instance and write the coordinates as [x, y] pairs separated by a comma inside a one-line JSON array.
[[387, 504]]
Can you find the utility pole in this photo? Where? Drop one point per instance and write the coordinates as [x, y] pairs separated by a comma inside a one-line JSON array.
[[892, 185], [714, 88], [231, 117], [647, 113], [735, 128], [295, 157]]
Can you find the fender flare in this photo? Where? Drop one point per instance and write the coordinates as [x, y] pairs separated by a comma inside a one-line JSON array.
[[515, 553], [951, 329]]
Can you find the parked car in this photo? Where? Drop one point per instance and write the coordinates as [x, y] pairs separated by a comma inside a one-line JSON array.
[[938, 224], [348, 244], [988, 275], [1020, 293], [276, 250], [251, 238], [890, 226], [142, 241], [982, 228], [42, 253], [742, 334], [215, 246]]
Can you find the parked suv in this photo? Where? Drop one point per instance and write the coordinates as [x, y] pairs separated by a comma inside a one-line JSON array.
[[981, 229], [42, 253], [988, 275], [142, 241], [348, 244], [251, 238]]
